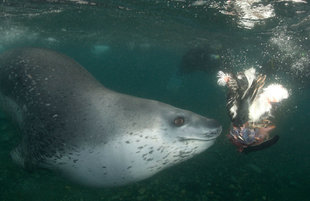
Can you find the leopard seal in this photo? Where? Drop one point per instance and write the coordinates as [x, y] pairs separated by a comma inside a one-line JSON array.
[[72, 124]]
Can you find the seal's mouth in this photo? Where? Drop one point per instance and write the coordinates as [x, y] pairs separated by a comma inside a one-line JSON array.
[[208, 136]]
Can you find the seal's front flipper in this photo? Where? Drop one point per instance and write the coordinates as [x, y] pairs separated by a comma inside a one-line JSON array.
[[261, 146]]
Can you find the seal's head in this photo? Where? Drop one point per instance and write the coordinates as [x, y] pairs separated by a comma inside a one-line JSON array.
[[149, 137]]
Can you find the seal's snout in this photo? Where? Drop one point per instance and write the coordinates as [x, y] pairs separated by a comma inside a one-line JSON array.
[[214, 129], [213, 124]]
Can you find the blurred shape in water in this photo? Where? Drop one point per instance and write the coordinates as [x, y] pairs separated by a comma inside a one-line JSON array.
[[204, 58], [100, 49]]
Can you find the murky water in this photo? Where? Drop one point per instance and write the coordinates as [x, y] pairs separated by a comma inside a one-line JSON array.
[[170, 51]]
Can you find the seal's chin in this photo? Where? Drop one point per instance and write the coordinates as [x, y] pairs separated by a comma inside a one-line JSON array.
[[208, 136], [196, 138]]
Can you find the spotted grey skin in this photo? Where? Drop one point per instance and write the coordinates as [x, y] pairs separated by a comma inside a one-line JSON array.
[[70, 123]]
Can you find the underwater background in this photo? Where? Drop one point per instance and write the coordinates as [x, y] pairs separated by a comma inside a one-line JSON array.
[[171, 51]]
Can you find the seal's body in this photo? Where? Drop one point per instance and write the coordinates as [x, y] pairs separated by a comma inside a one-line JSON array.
[[72, 124]]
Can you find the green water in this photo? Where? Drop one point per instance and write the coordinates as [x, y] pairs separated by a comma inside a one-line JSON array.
[[137, 47]]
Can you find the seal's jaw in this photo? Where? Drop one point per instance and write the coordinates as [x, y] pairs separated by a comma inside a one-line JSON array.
[[210, 135]]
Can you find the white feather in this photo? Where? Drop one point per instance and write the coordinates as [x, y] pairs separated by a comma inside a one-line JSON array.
[[250, 75], [233, 110], [276, 93], [262, 104], [222, 78]]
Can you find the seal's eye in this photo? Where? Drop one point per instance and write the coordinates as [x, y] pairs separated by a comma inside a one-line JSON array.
[[179, 121]]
